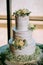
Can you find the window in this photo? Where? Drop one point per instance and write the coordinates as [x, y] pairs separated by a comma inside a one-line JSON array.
[[36, 17], [3, 23]]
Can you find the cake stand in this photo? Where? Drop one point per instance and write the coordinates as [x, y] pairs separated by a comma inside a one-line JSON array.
[[33, 62]]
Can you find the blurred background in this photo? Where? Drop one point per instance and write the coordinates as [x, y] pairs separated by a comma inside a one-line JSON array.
[[36, 17]]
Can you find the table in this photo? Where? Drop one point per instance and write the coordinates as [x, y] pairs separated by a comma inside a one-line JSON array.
[[33, 62]]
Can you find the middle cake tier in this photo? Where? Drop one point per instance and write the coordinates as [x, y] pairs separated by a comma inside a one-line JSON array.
[[27, 35]]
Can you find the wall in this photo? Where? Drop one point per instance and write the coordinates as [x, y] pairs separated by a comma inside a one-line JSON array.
[[2, 7], [35, 6]]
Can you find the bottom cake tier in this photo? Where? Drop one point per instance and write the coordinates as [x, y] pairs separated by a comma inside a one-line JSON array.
[[25, 50], [24, 58]]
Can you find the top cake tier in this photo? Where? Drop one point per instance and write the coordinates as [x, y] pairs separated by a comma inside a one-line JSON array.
[[22, 23]]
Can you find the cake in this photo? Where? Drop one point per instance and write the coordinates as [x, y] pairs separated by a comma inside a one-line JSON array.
[[23, 43]]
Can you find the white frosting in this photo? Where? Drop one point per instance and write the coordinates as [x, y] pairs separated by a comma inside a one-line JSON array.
[[30, 48], [22, 23], [27, 35]]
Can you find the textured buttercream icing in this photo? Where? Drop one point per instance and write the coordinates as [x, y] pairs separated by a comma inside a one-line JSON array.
[[22, 23], [24, 35]]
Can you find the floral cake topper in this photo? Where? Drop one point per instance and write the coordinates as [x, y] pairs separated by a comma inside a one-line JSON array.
[[22, 12], [18, 43]]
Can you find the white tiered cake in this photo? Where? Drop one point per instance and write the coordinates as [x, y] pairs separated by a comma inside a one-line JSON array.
[[23, 49], [22, 33]]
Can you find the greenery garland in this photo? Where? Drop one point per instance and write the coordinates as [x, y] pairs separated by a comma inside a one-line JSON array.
[[7, 54], [31, 26], [24, 58], [21, 12]]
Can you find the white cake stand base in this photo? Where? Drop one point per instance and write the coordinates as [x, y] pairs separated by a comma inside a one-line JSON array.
[[33, 62]]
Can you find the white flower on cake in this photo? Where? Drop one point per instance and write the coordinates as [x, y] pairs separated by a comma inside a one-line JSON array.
[[21, 43], [13, 42], [18, 43], [26, 11], [31, 26]]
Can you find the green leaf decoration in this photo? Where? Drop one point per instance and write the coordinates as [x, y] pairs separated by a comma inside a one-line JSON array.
[[24, 58]]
